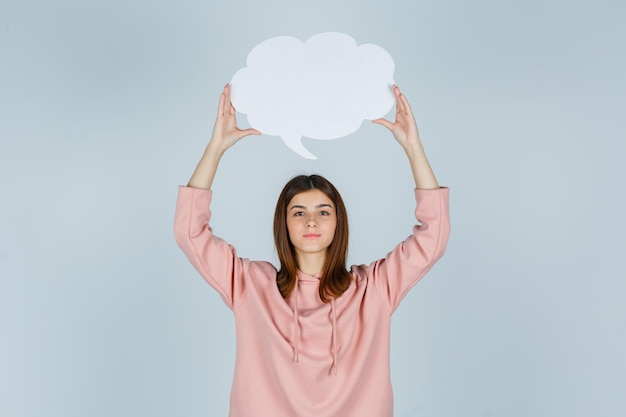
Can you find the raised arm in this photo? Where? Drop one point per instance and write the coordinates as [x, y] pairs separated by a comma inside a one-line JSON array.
[[214, 259], [407, 263], [405, 131], [225, 134]]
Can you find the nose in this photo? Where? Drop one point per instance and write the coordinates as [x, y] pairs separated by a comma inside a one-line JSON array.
[[311, 222]]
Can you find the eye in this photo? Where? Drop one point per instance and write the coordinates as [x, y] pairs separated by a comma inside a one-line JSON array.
[[325, 213], [298, 213]]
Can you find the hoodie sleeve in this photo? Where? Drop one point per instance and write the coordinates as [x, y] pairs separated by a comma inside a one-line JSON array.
[[407, 263], [212, 257]]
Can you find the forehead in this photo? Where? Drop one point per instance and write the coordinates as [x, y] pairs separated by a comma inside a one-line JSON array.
[[310, 198]]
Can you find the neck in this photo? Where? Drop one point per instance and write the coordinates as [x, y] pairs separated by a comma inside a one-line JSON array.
[[311, 263]]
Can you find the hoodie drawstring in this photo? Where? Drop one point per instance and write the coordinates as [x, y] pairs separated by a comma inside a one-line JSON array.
[[333, 307], [296, 330]]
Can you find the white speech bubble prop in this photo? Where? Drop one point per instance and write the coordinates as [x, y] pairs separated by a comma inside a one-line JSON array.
[[321, 89]]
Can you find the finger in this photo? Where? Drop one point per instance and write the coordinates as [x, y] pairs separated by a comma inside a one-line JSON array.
[[222, 104], [229, 103], [399, 104], [406, 105], [251, 132], [383, 122], [227, 96], [247, 132], [220, 107]]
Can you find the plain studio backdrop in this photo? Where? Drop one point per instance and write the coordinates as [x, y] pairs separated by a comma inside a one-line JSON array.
[[106, 107]]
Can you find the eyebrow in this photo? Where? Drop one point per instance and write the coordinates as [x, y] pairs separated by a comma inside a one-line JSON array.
[[317, 206]]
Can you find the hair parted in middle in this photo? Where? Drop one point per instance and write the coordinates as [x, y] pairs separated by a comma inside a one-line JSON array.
[[335, 278]]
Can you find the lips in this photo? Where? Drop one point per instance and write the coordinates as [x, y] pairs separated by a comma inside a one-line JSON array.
[[311, 236]]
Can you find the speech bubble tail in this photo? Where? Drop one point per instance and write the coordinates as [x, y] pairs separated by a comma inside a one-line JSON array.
[[295, 144]]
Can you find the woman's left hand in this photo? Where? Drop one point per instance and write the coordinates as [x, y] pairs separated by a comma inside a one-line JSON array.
[[404, 128]]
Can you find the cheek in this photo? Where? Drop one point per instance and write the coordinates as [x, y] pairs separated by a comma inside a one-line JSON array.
[[332, 226], [291, 227]]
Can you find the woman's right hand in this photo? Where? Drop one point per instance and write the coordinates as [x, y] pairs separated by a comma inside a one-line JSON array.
[[225, 131], [225, 134]]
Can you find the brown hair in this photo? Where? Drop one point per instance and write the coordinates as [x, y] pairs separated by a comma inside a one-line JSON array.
[[335, 278]]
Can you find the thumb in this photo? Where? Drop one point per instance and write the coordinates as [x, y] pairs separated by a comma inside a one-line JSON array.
[[384, 122], [248, 132]]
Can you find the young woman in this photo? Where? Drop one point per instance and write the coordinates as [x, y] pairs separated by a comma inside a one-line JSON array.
[[313, 337]]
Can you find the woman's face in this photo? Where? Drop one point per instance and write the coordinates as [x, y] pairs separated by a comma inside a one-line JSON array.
[[311, 222]]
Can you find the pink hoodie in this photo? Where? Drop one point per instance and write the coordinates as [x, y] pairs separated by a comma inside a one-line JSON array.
[[301, 357]]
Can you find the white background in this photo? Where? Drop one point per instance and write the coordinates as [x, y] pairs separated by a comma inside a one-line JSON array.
[[105, 108]]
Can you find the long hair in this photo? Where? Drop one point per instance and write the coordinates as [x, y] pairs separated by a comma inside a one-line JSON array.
[[335, 278]]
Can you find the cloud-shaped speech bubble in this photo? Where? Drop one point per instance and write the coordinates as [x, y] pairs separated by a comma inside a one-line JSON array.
[[321, 89]]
